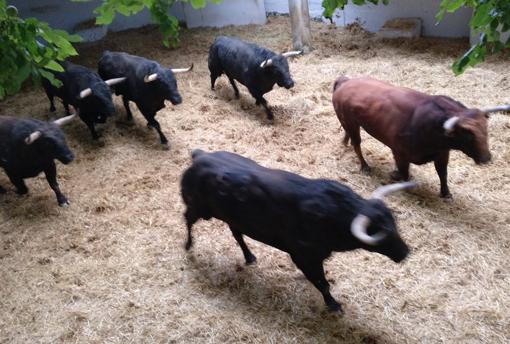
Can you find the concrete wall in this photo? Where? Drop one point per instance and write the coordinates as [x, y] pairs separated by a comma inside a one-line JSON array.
[[65, 15], [373, 17]]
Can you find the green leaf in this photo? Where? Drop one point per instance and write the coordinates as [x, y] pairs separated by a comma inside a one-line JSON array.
[[53, 65]]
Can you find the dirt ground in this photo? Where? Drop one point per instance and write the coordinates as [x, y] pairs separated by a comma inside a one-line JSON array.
[[111, 268]]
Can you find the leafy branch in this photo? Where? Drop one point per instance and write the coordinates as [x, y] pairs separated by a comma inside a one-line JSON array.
[[28, 48]]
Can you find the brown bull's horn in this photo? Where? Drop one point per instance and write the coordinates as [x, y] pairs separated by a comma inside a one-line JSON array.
[[85, 93], [385, 190], [64, 120], [33, 137], [359, 227], [497, 108], [292, 53], [450, 123], [111, 82], [150, 78], [266, 63], [182, 70]]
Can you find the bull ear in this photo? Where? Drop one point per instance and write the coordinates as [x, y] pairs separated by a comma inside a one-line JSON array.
[[33, 137], [449, 124], [150, 77], [266, 63]]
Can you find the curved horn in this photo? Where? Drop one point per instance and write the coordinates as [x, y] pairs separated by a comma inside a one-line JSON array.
[[450, 123], [182, 70], [151, 77], [33, 137], [266, 63], [359, 227], [85, 93], [111, 82], [64, 120], [385, 190], [497, 108], [292, 53]]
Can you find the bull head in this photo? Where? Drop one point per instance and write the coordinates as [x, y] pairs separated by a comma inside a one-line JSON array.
[[360, 223], [60, 122], [182, 70]]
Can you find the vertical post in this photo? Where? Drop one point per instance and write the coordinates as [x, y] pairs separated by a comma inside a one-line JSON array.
[[300, 24]]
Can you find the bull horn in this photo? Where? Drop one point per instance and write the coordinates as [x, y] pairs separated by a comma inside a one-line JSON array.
[[497, 108], [450, 123], [111, 82], [182, 70], [85, 93], [150, 78], [266, 63], [292, 53], [359, 227], [64, 120], [33, 137], [385, 190]]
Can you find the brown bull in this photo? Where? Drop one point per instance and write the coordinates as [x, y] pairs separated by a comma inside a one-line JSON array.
[[418, 128]]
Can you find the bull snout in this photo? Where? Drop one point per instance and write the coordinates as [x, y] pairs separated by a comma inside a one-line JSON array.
[[66, 158], [400, 256], [484, 159], [289, 84], [176, 100]]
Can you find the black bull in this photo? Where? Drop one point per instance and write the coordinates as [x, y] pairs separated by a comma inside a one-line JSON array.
[[29, 147], [307, 218], [255, 67]]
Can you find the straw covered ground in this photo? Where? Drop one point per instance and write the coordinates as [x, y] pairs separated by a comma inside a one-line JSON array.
[[111, 268]]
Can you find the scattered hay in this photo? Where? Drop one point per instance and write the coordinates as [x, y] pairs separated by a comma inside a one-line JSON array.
[[112, 268]]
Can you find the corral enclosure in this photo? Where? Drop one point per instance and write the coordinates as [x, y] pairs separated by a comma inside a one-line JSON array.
[[111, 268]]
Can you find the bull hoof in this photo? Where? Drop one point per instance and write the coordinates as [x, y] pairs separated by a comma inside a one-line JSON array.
[[64, 204], [165, 146], [396, 175], [366, 170], [22, 192], [251, 260], [335, 308], [270, 116], [52, 109], [447, 197], [188, 245], [2, 190]]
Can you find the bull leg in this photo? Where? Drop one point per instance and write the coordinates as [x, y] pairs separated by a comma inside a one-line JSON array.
[[314, 272], [92, 129], [52, 104], [346, 139], [356, 143], [441, 165], [19, 183], [51, 177], [66, 107], [234, 86], [213, 80], [259, 100], [152, 123], [190, 218], [248, 256], [402, 172], [2, 190], [128, 110]]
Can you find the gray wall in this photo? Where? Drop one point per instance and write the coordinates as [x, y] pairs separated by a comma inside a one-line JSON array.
[[64, 14]]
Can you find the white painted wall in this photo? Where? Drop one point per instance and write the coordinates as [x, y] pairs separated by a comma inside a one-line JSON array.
[[228, 12], [373, 17]]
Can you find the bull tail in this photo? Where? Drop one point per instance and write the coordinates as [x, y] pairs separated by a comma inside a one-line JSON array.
[[196, 153], [340, 81]]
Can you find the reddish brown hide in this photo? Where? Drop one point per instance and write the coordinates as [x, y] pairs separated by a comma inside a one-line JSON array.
[[419, 128]]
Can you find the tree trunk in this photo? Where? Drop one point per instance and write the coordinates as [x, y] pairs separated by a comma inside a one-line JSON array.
[[300, 23]]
